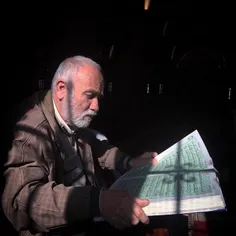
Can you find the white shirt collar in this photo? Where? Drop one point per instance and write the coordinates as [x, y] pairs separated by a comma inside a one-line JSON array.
[[61, 122]]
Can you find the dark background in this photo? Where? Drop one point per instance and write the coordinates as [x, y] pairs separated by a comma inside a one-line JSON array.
[[187, 49]]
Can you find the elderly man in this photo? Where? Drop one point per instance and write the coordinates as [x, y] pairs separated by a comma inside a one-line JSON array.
[[54, 168]]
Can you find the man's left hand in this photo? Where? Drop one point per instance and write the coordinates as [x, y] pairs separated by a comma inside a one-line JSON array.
[[143, 159]]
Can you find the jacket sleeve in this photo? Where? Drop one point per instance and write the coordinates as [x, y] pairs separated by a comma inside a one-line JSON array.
[[109, 156], [31, 202]]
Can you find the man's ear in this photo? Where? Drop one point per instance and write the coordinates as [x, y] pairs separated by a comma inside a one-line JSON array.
[[60, 89]]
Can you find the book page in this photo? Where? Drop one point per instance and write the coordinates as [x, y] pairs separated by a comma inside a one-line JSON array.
[[184, 171]]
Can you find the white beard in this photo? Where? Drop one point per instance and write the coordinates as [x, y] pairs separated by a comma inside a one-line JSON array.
[[74, 119]]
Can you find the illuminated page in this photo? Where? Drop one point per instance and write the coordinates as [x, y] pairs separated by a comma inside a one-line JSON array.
[[183, 181]]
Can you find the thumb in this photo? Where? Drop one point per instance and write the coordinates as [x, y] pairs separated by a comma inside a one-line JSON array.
[[142, 202]]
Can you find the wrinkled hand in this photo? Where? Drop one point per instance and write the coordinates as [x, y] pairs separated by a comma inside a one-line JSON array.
[[143, 159], [121, 210]]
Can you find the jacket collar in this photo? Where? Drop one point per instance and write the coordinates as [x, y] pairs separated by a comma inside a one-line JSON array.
[[61, 122], [52, 115], [46, 103]]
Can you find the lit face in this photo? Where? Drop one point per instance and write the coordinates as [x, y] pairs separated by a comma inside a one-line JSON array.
[[81, 103]]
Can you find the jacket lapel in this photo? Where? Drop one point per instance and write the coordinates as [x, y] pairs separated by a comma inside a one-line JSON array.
[[84, 148], [86, 156], [47, 108]]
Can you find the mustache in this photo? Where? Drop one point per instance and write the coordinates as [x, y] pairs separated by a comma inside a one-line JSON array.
[[89, 113]]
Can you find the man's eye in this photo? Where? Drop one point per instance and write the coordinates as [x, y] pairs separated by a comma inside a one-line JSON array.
[[90, 95]]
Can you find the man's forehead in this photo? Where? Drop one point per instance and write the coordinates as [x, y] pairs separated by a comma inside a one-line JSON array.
[[89, 72], [90, 81]]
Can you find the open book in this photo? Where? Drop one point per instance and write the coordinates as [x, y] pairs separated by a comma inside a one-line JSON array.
[[183, 181]]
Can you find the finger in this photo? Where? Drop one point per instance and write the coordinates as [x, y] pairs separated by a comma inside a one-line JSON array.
[[142, 202], [150, 155], [154, 154], [154, 161], [150, 160], [134, 219], [138, 211]]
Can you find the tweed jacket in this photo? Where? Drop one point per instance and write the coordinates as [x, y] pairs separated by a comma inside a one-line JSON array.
[[34, 199]]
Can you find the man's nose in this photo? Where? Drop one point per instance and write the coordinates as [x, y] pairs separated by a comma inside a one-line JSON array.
[[94, 105]]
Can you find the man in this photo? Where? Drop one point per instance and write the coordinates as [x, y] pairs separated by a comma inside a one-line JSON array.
[[54, 168]]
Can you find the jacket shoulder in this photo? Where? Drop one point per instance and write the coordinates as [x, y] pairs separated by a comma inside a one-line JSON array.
[[30, 120]]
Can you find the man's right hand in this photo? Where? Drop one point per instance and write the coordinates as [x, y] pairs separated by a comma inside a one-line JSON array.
[[121, 210]]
